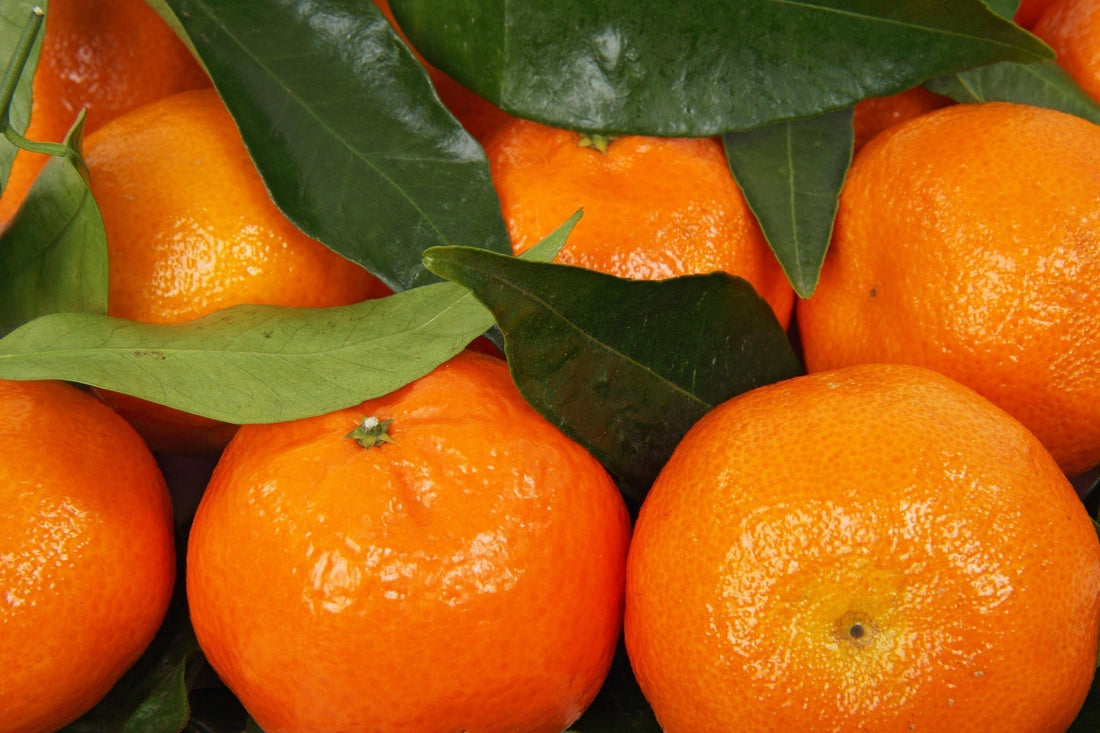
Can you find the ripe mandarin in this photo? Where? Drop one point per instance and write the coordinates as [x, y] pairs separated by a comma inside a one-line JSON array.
[[1072, 29], [967, 240], [653, 207], [191, 229], [1029, 12], [87, 556], [465, 574], [874, 548], [874, 114], [106, 57]]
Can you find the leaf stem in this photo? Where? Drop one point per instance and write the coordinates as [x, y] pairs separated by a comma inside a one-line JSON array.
[[19, 62], [10, 81]]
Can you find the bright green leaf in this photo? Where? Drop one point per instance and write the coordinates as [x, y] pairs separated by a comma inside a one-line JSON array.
[[624, 367], [791, 174], [257, 364], [709, 67], [250, 363], [53, 257], [1041, 85], [346, 129]]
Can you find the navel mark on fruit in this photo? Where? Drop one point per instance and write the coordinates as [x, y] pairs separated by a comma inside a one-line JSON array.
[[856, 630]]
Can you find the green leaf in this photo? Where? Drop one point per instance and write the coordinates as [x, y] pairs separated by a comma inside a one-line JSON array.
[[258, 364], [791, 174], [1004, 8], [13, 19], [53, 257], [251, 363], [1041, 85], [346, 129], [624, 367], [655, 67]]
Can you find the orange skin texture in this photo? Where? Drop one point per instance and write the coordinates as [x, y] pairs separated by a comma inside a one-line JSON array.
[[467, 575], [108, 57], [653, 208], [190, 230], [1029, 12], [886, 497], [87, 558], [875, 114], [1072, 29], [967, 241]]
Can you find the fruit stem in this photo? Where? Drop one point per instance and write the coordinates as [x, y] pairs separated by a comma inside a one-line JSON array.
[[10, 81], [599, 142], [371, 432]]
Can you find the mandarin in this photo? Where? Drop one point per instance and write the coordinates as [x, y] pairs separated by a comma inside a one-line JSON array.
[[1029, 12], [653, 207], [874, 114], [967, 240], [1072, 29], [106, 57], [874, 548], [87, 555], [437, 559], [191, 229]]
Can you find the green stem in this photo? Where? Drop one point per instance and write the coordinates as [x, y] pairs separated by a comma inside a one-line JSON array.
[[10, 81], [18, 63]]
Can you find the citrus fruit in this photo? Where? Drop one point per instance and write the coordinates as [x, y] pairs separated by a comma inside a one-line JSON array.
[[1072, 29], [463, 571], [966, 240], [874, 114], [653, 207], [873, 548], [1029, 12], [106, 57], [191, 229], [87, 560]]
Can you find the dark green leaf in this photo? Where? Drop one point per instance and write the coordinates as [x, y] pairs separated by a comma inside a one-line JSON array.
[[1004, 8], [53, 257], [346, 130], [257, 364], [1041, 85], [13, 19], [712, 66], [624, 367], [791, 174], [620, 706]]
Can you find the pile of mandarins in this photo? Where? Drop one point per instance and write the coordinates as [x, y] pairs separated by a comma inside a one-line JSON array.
[[890, 542]]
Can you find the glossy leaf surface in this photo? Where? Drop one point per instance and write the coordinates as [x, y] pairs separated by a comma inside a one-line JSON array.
[[624, 367], [705, 68], [53, 257], [346, 129], [791, 174]]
